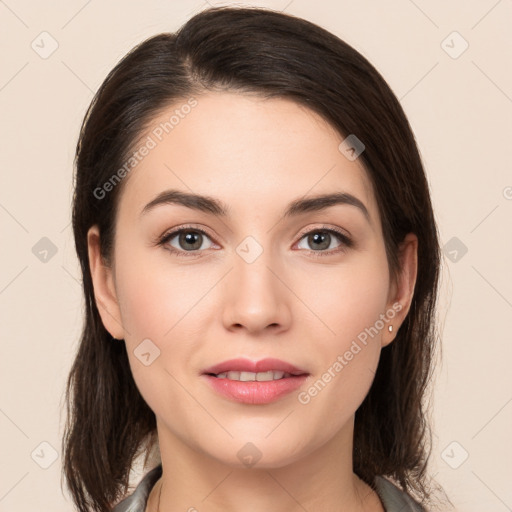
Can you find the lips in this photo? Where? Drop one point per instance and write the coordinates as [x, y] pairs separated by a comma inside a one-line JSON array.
[[246, 365], [249, 382]]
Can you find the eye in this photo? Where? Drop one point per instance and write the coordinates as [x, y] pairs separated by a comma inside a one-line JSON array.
[[322, 238], [189, 241], [185, 240]]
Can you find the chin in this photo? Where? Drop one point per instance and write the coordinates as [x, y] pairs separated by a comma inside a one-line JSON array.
[[259, 452]]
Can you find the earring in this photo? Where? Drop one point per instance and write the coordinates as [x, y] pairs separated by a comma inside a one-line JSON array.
[[390, 328]]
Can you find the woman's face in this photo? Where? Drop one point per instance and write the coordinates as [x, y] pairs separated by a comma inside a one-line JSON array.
[[257, 284]]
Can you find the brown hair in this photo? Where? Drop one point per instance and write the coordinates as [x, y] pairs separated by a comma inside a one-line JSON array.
[[273, 55]]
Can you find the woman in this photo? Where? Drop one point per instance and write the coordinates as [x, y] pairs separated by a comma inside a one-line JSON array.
[[260, 266]]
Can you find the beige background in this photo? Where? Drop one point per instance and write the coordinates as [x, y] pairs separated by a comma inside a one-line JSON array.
[[461, 112]]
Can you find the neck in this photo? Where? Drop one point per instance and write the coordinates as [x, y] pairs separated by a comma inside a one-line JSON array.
[[323, 481]]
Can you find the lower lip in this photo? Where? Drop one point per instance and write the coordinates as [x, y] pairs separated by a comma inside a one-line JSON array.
[[255, 392]]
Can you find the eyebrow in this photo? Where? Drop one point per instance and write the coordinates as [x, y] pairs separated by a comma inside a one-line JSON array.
[[216, 207]]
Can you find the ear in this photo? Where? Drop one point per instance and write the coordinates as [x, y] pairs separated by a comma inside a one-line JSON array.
[[104, 288], [402, 289]]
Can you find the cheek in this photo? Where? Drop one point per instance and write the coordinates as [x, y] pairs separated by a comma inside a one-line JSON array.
[[152, 297], [348, 301], [158, 302], [350, 304], [151, 307], [143, 305]]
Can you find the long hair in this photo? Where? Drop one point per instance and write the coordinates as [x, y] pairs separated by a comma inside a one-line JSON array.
[[274, 55]]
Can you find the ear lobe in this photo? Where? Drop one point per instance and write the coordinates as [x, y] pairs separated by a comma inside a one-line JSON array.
[[402, 290], [104, 288]]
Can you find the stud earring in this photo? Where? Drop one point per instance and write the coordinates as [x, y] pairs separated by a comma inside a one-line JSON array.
[[390, 328]]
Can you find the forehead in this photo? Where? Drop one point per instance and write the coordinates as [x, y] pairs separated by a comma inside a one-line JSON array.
[[248, 151]]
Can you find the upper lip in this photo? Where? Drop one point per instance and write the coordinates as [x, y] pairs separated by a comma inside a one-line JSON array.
[[246, 365]]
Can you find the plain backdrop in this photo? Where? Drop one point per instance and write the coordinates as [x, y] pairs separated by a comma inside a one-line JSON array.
[[447, 62]]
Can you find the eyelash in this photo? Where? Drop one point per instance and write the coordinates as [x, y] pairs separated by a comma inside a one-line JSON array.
[[346, 242]]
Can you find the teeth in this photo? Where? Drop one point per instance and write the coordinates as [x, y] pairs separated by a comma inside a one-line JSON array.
[[251, 376]]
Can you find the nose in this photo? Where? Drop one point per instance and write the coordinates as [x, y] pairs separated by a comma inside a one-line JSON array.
[[256, 297]]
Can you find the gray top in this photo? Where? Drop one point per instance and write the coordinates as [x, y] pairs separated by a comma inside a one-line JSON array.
[[393, 498]]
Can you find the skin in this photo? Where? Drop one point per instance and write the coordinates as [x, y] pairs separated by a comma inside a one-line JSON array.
[[256, 156]]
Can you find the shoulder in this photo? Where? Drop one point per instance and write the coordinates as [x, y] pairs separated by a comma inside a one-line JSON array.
[[394, 499], [136, 502]]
